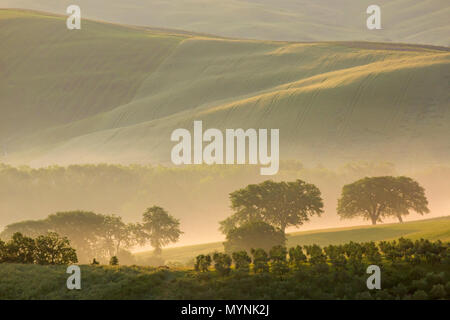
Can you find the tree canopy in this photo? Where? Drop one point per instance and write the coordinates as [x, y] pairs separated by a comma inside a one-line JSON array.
[[254, 235], [160, 228], [378, 197], [45, 249], [93, 235], [281, 204]]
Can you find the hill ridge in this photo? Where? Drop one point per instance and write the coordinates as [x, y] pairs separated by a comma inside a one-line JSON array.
[[147, 84]]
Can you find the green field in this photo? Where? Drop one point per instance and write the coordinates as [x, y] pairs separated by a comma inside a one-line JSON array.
[[110, 93], [432, 229], [412, 274]]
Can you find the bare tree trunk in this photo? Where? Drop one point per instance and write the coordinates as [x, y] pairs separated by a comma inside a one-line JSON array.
[[400, 219]]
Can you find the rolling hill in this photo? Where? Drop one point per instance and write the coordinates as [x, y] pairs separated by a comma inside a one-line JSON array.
[[411, 21], [114, 93], [432, 229]]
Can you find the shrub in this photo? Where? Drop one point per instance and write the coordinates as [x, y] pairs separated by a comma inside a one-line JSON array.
[[260, 261], [222, 263], [52, 249], [20, 249], [420, 295], [372, 253], [296, 257], [3, 251], [253, 235], [315, 254], [336, 256], [278, 260], [242, 261], [354, 252], [202, 263], [45, 249], [438, 292], [114, 261]]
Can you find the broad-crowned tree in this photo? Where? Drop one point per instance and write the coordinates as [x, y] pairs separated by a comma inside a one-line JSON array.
[[20, 249], [160, 228], [83, 228], [410, 196], [281, 204], [53, 249], [377, 197], [117, 235]]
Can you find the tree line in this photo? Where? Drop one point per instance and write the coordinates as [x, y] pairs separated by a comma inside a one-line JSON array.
[[44, 249], [99, 236], [410, 269], [188, 193], [262, 212], [351, 256]]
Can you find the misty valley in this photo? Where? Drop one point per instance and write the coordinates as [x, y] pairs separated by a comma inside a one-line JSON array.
[[224, 159]]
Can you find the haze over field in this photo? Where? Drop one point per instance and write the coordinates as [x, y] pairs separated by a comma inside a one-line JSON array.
[[411, 21], [326, 170], [114, 94], [111, 93]]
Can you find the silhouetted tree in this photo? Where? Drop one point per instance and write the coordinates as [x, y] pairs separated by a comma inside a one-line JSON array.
[[20, 249], [256, 234], [52, 249], [114, 261], [378, 197], [281, 204], [160, 228]]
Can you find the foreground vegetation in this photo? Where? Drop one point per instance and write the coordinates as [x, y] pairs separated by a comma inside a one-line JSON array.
[[409, 270], [432, 229]]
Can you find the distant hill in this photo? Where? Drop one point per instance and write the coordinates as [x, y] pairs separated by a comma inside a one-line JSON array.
[[411, 21], [431, 229], [111, 93]]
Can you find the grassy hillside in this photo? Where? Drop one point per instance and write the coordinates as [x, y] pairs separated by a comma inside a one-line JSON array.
[[415, 274], [35, 282], [432, 229], [410, 21], [51, 76], [110, 93]]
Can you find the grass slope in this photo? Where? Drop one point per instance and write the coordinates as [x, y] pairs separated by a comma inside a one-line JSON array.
[[400, 281], [110, 93], [432, 229], [410, 21], [51, 76]]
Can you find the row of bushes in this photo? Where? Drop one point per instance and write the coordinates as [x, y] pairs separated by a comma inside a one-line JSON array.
[[351, 256], [44, 249]]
